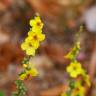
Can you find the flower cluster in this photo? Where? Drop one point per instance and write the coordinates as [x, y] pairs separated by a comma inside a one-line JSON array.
[[28, 72], [76, 71], [31, 43], [35, 36]]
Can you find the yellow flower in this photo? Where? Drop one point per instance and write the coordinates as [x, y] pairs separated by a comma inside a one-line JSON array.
[[28, 47], [25, 65], [74, 69], [32, 72], [79, 90], [29, 72], [36, 23], [34, 38]]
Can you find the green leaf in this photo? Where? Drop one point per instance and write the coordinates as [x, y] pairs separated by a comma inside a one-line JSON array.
[[72, 84]]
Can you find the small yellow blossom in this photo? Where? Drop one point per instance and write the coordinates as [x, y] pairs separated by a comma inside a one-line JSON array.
[[79, 90], [32, 72], [35, 38], [28, 47], [36, 23], [33, 69], [37, 35], [74, 69], [25, 65]]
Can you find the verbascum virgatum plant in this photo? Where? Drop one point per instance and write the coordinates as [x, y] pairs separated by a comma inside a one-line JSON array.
[[30, 45], [79, 76]]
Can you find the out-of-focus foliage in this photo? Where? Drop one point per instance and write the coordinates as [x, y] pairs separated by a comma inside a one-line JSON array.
[[2, 93]]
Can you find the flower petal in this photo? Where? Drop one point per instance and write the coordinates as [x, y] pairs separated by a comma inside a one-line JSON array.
[[30, 51], [24, 46]]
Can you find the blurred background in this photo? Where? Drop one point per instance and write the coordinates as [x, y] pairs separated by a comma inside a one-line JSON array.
[[62, 20]]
